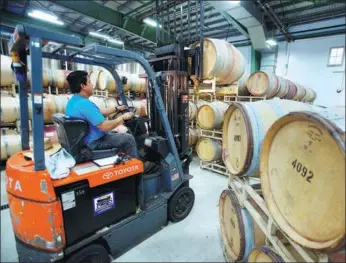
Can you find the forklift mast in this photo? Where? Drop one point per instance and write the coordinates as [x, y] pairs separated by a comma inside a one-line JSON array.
[[29, 40]]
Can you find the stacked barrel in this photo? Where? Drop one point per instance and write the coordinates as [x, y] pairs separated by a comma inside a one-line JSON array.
[[210, 118], [297, 151], [268, 84], [103, 80]]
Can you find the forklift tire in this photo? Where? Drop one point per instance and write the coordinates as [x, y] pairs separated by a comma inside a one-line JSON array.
[[180, 204], [93, 253]]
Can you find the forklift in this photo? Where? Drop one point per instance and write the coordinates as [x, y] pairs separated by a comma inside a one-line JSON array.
[[97, 210]]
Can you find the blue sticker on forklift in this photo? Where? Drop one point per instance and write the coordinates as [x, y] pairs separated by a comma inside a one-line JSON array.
[[103, 203]]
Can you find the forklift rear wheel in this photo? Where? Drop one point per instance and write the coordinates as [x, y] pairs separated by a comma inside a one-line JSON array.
[[180, 204], [90, 254]]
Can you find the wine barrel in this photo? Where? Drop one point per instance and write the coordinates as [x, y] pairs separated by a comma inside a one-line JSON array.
[[94, 78], [242, 85], [47, 78], [105, 81], [141, 107], [58, 78], [310, 95], [192, 110], [301, 91], [244, 127], [200, 103], [222, 61], [10, 144], [9, 109], [210, 116], [209, 149], [262, 83], [292, 90], [264, 254], [193, 136], [303, 157], [7, 76], [283, 87], [52, 104], [239, 233]]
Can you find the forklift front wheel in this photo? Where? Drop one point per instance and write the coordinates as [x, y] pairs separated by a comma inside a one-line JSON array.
[[180, 204], [93, 253]]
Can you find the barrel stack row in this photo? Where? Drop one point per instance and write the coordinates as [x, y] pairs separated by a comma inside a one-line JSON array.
[[297, 151], [210, 117], [268, 84], [56, 78], [10, 114], [103, 80]]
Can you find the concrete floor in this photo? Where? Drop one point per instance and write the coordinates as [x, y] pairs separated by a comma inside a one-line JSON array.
[[195, 239]]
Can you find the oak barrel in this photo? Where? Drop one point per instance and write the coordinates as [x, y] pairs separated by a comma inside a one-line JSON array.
[[264, 254], [94, 78], [192, 110], [310, 95], [10, 144], [209, 149], [283, 87], [262, 83], [292, 90], [242, 85], [141, 107], [239, 233], [193, 136], [106, 81], [59, 78], [301, 91], [7, 76], [244, 127], [222, 60], [9, 108], [210, 116], [303, 177]]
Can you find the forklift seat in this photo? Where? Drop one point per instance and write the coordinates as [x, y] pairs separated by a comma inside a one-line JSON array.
[[71, 133]]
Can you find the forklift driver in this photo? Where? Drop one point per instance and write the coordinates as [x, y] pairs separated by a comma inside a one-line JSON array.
[[100, 136]]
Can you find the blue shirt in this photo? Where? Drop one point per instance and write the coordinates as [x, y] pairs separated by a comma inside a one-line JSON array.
[[83, 108]]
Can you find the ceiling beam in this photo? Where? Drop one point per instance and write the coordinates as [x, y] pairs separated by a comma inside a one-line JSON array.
[[12, 20], [109, 16], [130, 13]]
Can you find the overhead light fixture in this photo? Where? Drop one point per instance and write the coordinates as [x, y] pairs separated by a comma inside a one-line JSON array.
[[150, 22], [234, 2], [107, 38], [45, 17], [271, 42]]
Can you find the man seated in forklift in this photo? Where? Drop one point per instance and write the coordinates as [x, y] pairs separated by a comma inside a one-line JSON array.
[[100, 136]]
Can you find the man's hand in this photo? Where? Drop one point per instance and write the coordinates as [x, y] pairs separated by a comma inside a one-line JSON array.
[[121, 108], [128, 116]]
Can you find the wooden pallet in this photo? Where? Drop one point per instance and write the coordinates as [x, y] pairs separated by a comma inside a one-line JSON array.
[[243, 190], [216, 166], [231, 98], [213, 134]]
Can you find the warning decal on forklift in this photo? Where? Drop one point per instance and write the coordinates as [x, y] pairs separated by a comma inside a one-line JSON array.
[[68, 200], [103, 203]]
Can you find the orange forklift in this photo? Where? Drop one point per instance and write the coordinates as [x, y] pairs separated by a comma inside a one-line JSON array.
[[107, 204]]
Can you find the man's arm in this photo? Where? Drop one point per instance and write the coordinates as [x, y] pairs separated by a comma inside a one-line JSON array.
[[107, 111], [107, 125]]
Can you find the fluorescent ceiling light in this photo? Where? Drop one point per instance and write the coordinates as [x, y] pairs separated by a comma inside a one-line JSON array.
[[271, 42], [106, 37], [45, 17], [151, 22], [234, 2]]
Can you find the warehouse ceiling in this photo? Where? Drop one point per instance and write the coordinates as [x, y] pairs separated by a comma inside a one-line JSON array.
[[123, 20]]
